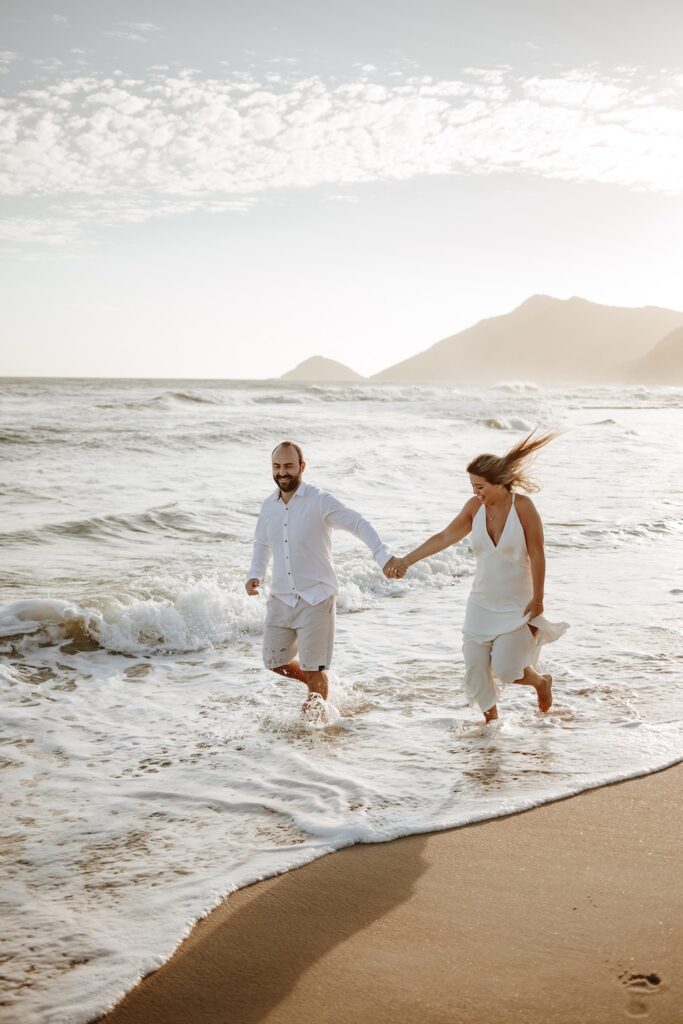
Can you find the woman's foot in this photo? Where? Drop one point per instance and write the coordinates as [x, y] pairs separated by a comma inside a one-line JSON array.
[[491, 715], [544, 693]]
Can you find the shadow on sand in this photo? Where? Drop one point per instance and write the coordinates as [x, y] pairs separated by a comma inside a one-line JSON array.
[[246, 956]]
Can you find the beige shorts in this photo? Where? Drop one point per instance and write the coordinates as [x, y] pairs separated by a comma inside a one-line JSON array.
[[306, 629]]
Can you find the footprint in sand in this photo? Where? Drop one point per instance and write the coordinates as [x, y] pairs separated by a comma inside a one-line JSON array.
[[640, 989]]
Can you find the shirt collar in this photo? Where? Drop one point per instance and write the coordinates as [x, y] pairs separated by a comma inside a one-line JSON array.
[[298, 492]]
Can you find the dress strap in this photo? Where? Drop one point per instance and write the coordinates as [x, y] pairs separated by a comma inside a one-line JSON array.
[[513, 497]]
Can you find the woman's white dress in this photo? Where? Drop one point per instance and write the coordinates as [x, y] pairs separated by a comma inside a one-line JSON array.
[[497, 642]]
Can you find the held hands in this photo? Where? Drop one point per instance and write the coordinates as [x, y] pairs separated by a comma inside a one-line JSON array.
[[534, 608], [395, 568], [251, 587]]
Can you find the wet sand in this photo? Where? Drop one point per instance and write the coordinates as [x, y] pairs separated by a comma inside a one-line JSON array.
[[570, 913]]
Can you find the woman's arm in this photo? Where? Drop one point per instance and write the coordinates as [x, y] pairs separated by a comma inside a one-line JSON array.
[[533, 533], [455, 531]]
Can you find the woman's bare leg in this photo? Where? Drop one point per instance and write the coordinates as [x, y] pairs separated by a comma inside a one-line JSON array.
[[543, 684]]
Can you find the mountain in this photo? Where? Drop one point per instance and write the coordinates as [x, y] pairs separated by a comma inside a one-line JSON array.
[[317, 368], [662, 365], [546, 340]]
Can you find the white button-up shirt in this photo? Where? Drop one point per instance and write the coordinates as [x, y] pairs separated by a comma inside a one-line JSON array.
[[298, 533]]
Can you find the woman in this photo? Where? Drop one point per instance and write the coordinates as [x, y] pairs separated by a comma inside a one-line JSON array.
[[504, 625]]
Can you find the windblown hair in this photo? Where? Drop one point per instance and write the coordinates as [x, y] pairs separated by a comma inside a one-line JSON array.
[[289, 444], [512, 469]]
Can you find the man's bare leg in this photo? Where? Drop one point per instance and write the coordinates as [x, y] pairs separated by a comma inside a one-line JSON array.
[[293, 671], [543, 686], [316, 682]]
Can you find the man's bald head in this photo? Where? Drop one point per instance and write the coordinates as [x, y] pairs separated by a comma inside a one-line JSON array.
[[288, 444]]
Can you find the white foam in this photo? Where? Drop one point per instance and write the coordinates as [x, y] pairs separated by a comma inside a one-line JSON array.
[[194, 619]]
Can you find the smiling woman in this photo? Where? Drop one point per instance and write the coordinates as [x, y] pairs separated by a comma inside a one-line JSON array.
[[504, 624]]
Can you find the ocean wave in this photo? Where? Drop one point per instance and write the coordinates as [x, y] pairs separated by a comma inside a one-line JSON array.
[[176, 616], [573, 535], [229, 434], [119, 527], [516, 387], [513, 423], [33, 435], [166, 400], [278, 398], [203, 616], [84, 438], [638, 531], [15, 490], [374, 392]]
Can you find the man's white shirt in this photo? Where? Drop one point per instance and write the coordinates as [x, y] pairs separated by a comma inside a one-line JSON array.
[[298, 533]]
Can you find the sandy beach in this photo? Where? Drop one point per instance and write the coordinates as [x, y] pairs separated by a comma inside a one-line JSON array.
[[572, 913]]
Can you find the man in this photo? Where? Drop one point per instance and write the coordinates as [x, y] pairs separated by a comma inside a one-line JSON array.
[[295, 526]]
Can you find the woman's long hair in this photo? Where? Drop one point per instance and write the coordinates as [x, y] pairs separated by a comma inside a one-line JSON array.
[[512, 469]]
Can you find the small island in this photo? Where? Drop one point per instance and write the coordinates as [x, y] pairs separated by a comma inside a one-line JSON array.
[[320, 369]]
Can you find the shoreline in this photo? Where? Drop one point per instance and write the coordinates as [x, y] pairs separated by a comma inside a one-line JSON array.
[[570, 912]]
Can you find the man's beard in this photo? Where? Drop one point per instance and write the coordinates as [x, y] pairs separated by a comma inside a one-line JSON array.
[[287, 483]]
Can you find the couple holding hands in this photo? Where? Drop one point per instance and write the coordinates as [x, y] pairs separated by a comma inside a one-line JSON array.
[[504, 626]]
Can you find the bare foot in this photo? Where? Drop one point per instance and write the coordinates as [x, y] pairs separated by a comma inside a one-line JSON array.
[[491, 715], [544, 693], [313, 708]]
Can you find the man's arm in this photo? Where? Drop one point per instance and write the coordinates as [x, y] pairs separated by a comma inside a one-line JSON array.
[[340, 517], [259, 559]]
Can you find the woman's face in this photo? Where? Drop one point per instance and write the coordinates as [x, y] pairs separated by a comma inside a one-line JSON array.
[[485, 491]]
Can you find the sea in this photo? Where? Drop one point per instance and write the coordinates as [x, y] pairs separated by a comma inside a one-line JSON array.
[[150, 766]]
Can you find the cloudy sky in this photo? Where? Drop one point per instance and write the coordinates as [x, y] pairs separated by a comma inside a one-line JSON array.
[[223, 189]]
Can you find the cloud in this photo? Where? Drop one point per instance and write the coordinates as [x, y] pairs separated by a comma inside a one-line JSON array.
[[142, 26], [178, 142], [7, 58], [133, 31], [47, 231], [47, 64], [59, 19]]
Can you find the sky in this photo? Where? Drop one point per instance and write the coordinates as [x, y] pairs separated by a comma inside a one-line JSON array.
[[221, 190]]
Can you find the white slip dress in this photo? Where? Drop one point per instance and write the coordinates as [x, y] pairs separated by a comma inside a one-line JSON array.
[[503, 585]]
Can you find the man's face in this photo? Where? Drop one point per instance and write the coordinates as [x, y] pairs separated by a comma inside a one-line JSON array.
[[287, 469]]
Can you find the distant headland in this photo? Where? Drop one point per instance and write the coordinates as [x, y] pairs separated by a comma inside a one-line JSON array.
[[546, 340]]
